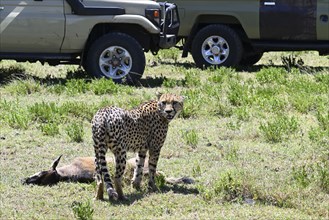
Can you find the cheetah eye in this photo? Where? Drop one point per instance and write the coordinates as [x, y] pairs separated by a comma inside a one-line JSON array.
[[174, 102], [163, 102]]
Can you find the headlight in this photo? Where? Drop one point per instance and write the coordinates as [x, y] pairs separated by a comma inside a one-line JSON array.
[[153, 15]]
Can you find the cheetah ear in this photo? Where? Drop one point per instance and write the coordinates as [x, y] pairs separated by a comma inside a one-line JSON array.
[[55, 163], [158, 94]]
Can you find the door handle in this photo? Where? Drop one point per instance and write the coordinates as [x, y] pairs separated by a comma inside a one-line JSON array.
[[2, 8], [269, 3]]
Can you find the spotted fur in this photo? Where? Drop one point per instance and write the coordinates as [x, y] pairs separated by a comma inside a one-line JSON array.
[[139, 130]]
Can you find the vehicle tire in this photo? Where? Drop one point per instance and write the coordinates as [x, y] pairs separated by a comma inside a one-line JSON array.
[[216, 45], [250, 59], [117, 56]]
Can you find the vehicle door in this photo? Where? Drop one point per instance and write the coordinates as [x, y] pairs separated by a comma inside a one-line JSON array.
[[323, 20], [31, 25], [288, 19]]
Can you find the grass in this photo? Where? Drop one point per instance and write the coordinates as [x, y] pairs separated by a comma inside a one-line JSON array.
[[254, 139]]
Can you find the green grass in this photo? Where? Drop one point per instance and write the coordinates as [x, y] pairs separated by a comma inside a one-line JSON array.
[[255, 140]]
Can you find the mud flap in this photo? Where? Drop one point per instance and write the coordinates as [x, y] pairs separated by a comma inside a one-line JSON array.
[[288, 19]]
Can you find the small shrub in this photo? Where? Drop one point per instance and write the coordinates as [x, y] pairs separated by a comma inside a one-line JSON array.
[[164, 55], [50, 129], [192, 78], [171, 83], [233, 125], [19, 119], [323, 120], [206, 192], [322, 171], [303, 103], [305, 85], [319, 136], [239, 94], [302, 175], [231, 153], [82, 210], [242, 113], [317, 173], [279, 128], [191, 137], [45, 112], [78, 109], [223, 109], [24, 87], [76, 86], [271, 75], [221, 74], [193, 103], [272, 104], [103, 86], [322, 78], [57, 89], [229, 186], [133, 102], [196, 170], [75, 132]]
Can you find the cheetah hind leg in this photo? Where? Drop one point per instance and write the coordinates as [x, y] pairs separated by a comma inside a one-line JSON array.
[[99, 188], [99, 181], [100, 185], [108, 183], [120, 166], [138, 171]]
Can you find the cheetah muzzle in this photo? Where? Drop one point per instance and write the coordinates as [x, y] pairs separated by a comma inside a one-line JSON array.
[[141, 130]]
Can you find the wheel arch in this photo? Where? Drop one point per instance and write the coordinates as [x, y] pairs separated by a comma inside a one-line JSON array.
[[205, 20], [145, 39]]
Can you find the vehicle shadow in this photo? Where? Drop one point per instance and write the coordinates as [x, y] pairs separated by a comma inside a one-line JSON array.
[[302, 69], [10, 74]]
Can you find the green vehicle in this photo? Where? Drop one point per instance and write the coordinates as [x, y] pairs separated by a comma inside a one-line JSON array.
[[228, 33]]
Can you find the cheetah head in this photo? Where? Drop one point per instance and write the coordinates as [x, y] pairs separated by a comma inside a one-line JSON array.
[[170, 105]]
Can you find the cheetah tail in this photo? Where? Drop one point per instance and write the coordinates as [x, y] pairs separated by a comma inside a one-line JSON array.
[[181, 180]]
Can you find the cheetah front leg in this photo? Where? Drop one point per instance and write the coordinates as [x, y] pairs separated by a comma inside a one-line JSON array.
[[153, 161], [138, 172]]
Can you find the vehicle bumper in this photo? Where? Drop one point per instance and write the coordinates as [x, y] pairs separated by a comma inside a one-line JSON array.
[[169, 25]]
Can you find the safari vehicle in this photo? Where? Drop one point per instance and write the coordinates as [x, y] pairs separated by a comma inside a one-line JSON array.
[[107, 37], [226, 33]]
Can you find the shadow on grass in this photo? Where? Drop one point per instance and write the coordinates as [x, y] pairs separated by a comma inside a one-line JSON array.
[[302, 69], [133, 197], [9, 74], [177, 64], [12, 73], [18, 73]]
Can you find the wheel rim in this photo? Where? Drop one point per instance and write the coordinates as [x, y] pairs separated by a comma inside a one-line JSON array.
[[215, 50], [115, 62]]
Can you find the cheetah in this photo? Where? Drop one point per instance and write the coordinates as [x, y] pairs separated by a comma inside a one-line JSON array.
[[141, 129]]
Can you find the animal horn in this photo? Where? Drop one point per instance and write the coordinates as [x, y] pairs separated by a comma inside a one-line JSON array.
[[55, 163]]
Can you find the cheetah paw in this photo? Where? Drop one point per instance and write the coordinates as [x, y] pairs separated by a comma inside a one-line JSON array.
[[112, 194], [136, 185], [153, 188]]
